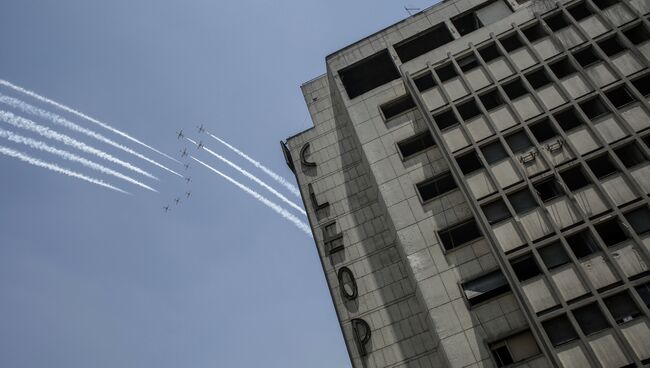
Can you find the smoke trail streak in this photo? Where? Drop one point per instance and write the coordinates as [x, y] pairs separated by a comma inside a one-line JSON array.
[[56, 119], [46, 165], [80, 114], [292, 188], [22, 123], [252, 177], [281, 211], [69, 156]]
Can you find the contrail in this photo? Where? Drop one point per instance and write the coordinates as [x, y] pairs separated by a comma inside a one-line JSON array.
[[253, 178], [292, 188], [69, 156], [281, 211], [46, 165], [56, 119], [22, 123], [81, 115]]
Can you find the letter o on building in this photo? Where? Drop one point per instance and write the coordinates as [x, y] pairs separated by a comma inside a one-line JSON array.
[[347, 283]]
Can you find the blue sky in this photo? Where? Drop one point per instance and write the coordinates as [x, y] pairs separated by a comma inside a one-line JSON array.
[[93, 278]]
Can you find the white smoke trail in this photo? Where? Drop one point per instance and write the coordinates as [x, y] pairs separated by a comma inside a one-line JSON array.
[[22, 123], [252, 177], [292, 188], [56, 119], [80, 114], [281, 211], [46, 165], [68, 156]]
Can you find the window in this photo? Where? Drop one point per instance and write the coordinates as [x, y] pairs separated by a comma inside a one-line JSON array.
[[468, 110], [491, 100], [639, 219], [424, 82], [522, 201], [467, 23], [514, 349], [622, 307], [568, 119], [489, 53], [468, 62], [556, 22], [494, 152], [525, 268], [619, 97], [469, 163], [604, 4], [611, 46], [590, 319], [435, 187], [559, 330], [594, 108], [397, 106], [548, 190], [515, 89], [586, 57], [574, 178], [543, 130], [368, 74], [416, 144], [518, 142], [644, 293], [538, 79], [602, 166], [485, 287], [611, 232], [496, 211], [553, 255], [459, 235], [580, 11], [562, 68], [445, 119], [582, 244], [446, 72], [637, 34], [643, 85], [534, 33], [511, 43], [423, 42], [630, 155]]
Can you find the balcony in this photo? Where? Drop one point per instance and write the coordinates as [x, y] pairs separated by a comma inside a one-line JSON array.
[[609, 128], [522, 58], [455, 88], [641, 175], [505, 173], [550, 96], [555, 151], [573, 355], [433, 98], [618, 189], [562, 212], [479, 184], [642, 6], [590, 201], [576, 85], [535, 224], [593, 26], [599, 272], [607, 349], [500, 68], [636, 117], [582, 139], [507, 236], [600, 74], [455, 138], [477, 78], [546, 48], [629, 259], [502, 117], [627, 63], [567, 282], [538, 293], [618, 15], [526, 107], [637, 334], [479, 128]]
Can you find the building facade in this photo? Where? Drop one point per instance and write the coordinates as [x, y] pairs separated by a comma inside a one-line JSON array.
[[477, 180]]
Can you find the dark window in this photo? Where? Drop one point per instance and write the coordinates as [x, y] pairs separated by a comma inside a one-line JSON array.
[[525, 268], [485, 287], [415, 144], [611, 46], [514, 349], [368, 74], [638, 34], [543, 130], [557, 21], [590, 319], [604, 4], [522, 201], [437, 186], [639, 219], [580, 11], [644, 293], [469, 163], [460, 234], [594, 108], [586, 57], [538, 79], [502, 356], [494, 152], [445, 119], [582, 244], [515, 89], [496, 211], [643, 85], [646, 140], [548, 190], [568, 119], [534, 33], [518, 142], [468, 110], [611, 232], [467, 23], [553, 255], [397, 106], [491, 99], [562, 68], [424, 82], [630, 155], [489, 53], [622, 307], [446, 72], [423, 42], [511, 43], [575, 178], [468, 62], [602, 166], [619, 97], [559, 330]]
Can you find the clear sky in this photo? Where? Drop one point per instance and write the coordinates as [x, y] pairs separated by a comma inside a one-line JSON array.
[[93, 278]]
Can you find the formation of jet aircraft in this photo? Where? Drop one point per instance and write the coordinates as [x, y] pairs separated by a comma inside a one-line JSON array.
[[184, 153]]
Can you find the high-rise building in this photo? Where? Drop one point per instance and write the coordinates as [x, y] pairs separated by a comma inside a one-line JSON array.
[[477, 180]]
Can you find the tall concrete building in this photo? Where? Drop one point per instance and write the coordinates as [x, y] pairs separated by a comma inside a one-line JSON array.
[[477, 182]]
